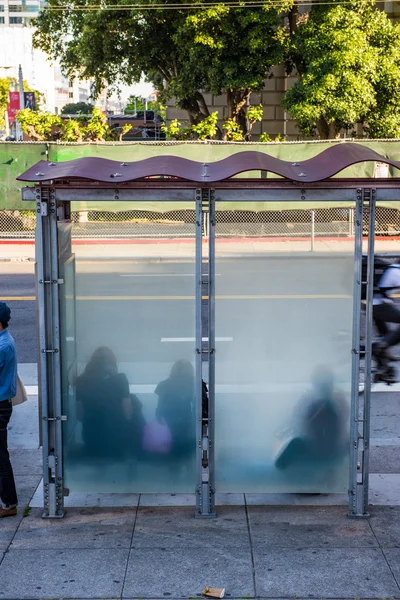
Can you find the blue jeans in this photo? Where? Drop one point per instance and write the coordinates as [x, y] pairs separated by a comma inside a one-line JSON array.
[[8, 494]]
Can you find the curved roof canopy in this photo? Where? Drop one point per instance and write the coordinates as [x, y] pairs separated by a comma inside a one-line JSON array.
[[326, 164]]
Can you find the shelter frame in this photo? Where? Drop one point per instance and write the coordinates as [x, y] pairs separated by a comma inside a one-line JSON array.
[[53, 202]]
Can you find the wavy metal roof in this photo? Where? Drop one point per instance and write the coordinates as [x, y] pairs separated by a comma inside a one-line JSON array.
[[330, 162]]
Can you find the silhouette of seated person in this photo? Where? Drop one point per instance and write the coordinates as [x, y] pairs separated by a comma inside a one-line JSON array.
[[176, 406], [320, 434], [112, 420]]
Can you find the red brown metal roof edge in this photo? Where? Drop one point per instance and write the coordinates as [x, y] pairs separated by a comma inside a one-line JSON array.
[[329, 162]]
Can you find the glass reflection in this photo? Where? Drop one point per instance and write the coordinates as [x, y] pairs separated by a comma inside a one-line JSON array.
[[176, 407], [319, 433], [111, 417]]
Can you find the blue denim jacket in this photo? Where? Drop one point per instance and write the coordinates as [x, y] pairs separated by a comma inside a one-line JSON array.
[[8, 366]]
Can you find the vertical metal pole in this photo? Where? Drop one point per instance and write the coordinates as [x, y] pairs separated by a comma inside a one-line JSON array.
[[361, 402], [205, 505], [355, 363], [312, 230], [211, 354], [368, 349], [49, 350], [199, 328]]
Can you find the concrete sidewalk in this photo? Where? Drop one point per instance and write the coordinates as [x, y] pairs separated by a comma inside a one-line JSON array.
[[184, 249], [138, 546]]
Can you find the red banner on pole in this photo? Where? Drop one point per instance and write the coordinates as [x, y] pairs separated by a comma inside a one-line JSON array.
[[13, 106]]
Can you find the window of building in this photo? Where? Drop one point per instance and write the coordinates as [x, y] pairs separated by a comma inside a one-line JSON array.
[[15, 8], [70, 94], [16, 20], [1, 20], [71, 83], [1, 7]]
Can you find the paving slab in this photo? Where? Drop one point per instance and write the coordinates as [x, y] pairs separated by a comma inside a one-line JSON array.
[[183, 572], [393, 557], [27, 461], [323, 573], [80, 528], [24, 425], [8, 527], [174, 528], [384, 459], [72, 573], [26, 486], [385, 524], [384, 489], [307, 527]]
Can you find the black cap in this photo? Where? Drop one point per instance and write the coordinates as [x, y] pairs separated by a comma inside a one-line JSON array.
[[5, 312]]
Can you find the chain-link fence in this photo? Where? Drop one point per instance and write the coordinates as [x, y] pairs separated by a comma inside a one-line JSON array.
[[321, 222]]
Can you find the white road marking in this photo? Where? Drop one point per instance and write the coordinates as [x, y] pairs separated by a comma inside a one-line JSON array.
[[70, 339], [233, 388], [383, 387], [163, 275], [192, 339]]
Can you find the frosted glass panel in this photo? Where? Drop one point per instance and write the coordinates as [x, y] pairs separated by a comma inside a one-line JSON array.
[[283, 364], [130, 404]]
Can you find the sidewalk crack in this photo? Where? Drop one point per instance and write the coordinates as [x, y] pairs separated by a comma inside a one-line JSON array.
[[251, 545]]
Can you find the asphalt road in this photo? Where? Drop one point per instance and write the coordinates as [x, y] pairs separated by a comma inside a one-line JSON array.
[[275, 309]]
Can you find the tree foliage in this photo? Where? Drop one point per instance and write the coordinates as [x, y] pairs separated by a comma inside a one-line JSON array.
[[76, 108], [4, 89], [348, 61], [207, 129], [185, 53], [41, 126]]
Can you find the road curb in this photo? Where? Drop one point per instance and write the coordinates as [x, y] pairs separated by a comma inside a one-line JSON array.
[[17, 259]]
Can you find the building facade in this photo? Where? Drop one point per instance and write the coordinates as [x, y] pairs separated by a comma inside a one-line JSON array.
[[16, 48]]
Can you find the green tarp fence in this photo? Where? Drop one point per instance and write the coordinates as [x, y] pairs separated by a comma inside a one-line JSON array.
[[15, 158]]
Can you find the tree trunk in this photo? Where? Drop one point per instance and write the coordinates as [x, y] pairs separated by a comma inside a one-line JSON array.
[[237, 102], [323, 129], [327, 131]]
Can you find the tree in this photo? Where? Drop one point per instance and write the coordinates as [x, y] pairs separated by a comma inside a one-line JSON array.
[[76, 108], [348, 61], [232, 50], [184, 52]]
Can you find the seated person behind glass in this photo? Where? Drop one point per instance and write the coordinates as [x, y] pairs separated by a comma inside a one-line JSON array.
[[176, 402], [112, 420], [319, 425]]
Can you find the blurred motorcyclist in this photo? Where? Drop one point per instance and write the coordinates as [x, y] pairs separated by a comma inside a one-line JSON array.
[[385, 311]]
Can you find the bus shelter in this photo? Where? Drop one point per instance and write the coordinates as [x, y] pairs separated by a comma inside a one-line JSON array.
[[196, 363]]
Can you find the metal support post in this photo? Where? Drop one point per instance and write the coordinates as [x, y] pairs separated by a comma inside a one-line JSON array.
[[361, 400], [48, 283], [205, 502]]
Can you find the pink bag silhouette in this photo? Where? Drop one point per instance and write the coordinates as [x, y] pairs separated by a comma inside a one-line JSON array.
[[157, 437]]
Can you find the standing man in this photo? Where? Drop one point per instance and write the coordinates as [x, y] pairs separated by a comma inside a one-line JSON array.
[[8, 389]]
